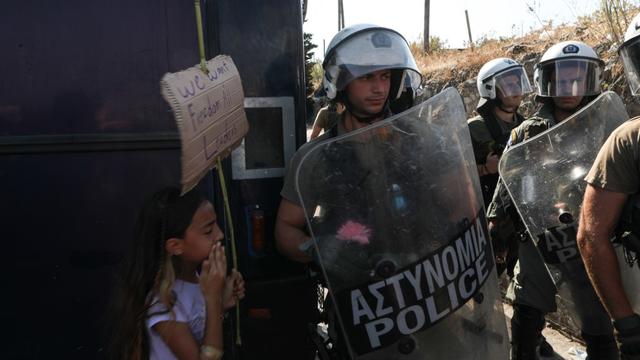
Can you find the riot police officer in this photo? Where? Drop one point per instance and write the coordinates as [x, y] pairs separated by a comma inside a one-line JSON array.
[[612, 182], [502, 83], [365, 69], [567, 79]]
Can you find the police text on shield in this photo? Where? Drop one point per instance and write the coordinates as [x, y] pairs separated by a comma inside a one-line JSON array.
[[421, 294]]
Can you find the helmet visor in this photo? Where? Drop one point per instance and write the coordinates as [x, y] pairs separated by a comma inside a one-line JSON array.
[[570, 77], [370, 51], [512, 82], [630, 54]]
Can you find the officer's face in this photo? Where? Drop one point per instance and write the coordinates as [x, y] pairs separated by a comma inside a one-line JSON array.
[[368, 93], [570, 81], [509, 85]]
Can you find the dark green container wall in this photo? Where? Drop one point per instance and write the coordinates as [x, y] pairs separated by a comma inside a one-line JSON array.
[[74, 69], [90, 66]]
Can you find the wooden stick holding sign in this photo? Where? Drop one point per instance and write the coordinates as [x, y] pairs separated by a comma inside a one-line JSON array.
[[209, 109]]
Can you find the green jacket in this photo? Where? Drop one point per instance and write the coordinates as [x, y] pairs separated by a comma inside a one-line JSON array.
[[489, 135], [538, 123]]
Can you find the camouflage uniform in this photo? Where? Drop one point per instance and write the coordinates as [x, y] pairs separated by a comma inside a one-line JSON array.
[[490, 135], [532, 289]]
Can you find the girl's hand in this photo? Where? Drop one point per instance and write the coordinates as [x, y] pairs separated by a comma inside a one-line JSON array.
[[212, 276], [233, 290]]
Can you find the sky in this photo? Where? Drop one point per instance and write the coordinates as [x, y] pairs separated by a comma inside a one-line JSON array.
[[488, 18]]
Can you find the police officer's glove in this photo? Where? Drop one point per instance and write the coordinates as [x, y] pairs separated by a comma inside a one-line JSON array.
[[628, 336]]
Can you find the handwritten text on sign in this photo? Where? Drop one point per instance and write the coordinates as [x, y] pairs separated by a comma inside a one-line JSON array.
[[209, 112]]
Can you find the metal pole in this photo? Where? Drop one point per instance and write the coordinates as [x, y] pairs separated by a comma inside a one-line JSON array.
[[342, 7], [466, 14], [426, 26], [340, 15], [340, 25]]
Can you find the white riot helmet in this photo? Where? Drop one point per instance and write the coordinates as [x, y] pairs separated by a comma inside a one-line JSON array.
[[504, 74], [569, 68], [362, 49], [630, 54]]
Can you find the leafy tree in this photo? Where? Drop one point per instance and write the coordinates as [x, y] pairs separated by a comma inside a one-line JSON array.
[[308, 64]]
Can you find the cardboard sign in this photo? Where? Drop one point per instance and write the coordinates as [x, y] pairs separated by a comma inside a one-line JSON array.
[[209, 111]]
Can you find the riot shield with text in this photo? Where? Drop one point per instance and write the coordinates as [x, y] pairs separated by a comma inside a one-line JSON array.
[[545, 178], [395, 212]]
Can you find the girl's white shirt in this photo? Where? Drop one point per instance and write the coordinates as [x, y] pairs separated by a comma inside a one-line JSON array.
[[189, 308]]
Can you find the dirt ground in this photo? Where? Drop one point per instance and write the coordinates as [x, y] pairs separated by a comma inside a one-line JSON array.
[[565, 347]]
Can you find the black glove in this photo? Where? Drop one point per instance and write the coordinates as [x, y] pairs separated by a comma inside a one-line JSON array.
[[628, 336]]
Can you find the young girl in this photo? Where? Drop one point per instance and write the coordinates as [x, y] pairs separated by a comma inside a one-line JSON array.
[[174, 288]]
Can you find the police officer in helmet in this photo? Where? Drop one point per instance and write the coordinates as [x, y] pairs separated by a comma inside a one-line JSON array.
[[614, 180], [502, 83], [567, 79], [366, 69]]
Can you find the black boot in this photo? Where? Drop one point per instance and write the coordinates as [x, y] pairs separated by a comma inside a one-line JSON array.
[[526, 328], [601, 347], [545, 349]]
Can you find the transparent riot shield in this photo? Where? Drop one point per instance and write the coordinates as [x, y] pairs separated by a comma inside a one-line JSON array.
[[395, 212], [545, 178]]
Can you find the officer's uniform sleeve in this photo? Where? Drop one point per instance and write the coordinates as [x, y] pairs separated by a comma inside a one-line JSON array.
[[501, 200], [497, 205], [480, 139], [504, 226], [616, 167], [500, 209]]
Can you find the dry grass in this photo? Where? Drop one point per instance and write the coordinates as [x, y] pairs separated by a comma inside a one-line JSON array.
[[455, 66], [449, 63], [602, 30]]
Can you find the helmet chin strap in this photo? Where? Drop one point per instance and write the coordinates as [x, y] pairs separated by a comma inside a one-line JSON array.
[[505, 110], [365, 119], [500, 106]]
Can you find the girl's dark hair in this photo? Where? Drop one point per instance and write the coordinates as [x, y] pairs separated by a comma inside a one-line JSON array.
[[165, 215]]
